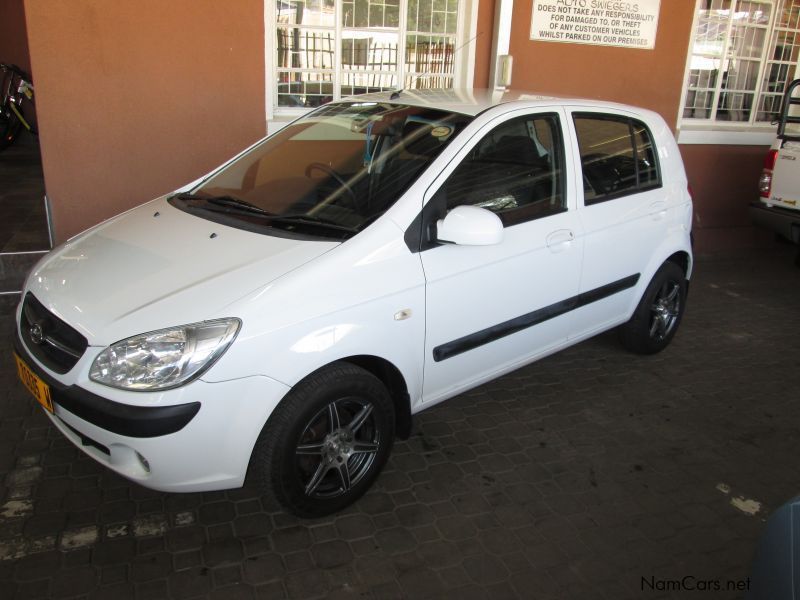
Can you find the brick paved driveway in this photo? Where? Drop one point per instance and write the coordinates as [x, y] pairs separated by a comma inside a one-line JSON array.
[[591, 474]]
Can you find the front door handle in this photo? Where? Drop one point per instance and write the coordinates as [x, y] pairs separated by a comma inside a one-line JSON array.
[[560, 240]]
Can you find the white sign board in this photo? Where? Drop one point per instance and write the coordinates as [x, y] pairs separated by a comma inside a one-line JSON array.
[[623, 23]]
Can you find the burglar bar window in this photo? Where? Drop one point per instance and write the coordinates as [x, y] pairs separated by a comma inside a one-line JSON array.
[[326, 49], [743, 54]]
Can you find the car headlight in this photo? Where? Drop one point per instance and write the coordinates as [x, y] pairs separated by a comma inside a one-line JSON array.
[[166, 358]]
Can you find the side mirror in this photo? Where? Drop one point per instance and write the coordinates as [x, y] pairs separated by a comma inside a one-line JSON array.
[[470, 226]]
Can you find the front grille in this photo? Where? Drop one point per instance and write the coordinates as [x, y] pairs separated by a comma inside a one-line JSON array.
[[49, 338]]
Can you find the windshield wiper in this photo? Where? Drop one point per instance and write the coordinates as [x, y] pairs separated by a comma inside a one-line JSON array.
[[226, 202], [312, 220], [233, 205]]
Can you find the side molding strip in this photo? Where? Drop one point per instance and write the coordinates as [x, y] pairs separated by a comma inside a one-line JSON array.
[[495, 332]]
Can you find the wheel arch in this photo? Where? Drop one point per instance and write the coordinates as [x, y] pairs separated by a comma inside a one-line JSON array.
[[683, 260], [395, 383]]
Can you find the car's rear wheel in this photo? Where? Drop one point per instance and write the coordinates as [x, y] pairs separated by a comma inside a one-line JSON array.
[[326, 442], [659, 313]]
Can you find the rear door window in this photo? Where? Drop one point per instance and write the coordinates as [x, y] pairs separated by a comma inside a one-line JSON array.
[[618, 156]]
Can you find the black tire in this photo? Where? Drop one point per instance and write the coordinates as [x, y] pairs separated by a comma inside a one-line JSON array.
[[10, 126], [310, 457], [659, 313]]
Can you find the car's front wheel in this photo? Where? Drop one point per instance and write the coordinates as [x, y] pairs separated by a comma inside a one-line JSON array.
[[659, 313], [326, 442]]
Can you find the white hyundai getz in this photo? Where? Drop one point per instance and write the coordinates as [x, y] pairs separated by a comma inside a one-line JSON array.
[[281, 319]]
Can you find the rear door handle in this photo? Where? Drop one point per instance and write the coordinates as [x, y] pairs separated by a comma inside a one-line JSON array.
[[560, 240]]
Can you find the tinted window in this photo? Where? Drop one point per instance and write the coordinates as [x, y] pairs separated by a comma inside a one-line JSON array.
[[617, 157], [515, 171]]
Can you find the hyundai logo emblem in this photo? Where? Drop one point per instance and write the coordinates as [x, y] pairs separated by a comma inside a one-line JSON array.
[[36, 333]]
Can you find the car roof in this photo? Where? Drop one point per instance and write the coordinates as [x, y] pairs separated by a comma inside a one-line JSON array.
[[474, 101]]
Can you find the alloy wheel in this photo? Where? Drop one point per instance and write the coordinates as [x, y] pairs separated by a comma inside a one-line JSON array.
[[665, 310], [337, 447]]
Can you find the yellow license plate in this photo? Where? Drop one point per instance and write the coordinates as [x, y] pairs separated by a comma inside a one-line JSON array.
[[34, 383]]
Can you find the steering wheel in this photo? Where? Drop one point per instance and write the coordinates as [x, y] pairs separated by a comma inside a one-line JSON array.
[[339, 179]]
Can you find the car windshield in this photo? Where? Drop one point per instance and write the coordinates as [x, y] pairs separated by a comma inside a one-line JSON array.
[[328, 175]]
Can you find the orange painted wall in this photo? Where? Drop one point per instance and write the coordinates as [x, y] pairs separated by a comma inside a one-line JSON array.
[[483, 43], [649, 78], [136, 98]]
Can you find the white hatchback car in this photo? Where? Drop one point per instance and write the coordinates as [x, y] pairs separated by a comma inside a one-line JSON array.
[[282, 318]]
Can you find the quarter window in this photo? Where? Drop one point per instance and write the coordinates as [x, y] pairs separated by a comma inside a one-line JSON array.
[[617, 157], [515, 171]]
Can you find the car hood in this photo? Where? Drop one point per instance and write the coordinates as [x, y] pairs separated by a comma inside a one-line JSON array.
[[157, 266]]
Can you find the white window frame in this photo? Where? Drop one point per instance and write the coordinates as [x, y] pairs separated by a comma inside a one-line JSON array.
[[699, 131], [463, 63]]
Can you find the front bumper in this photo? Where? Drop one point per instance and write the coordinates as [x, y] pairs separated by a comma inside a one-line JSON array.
[[784, 221], [198, 437]]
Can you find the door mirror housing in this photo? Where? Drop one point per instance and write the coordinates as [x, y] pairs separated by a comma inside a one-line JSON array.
[[470, 226]]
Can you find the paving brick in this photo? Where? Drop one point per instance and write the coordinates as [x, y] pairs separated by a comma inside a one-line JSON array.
[[351, 527], [253, 546], [219, 531], [457, 527], [117, 591], [420, 582], [75, 558], [27, 589], [116, 551], [331, 554], [115, 574], [298, 561], [306, 584], [414, 515], [223, 551], [150, 566], [44, 524], [74, 582], [226, 576], [251, 525], [185, 538], [116, 512], [152, 590], [425, 533], [216, 512], [189, 583], [233, 592], [485, 570], [271, 591], [247, 507], [149, 545], [290, 539], [186, 560], [262, 569]]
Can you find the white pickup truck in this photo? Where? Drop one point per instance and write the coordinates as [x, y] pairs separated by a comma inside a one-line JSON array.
[[778, 206]]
